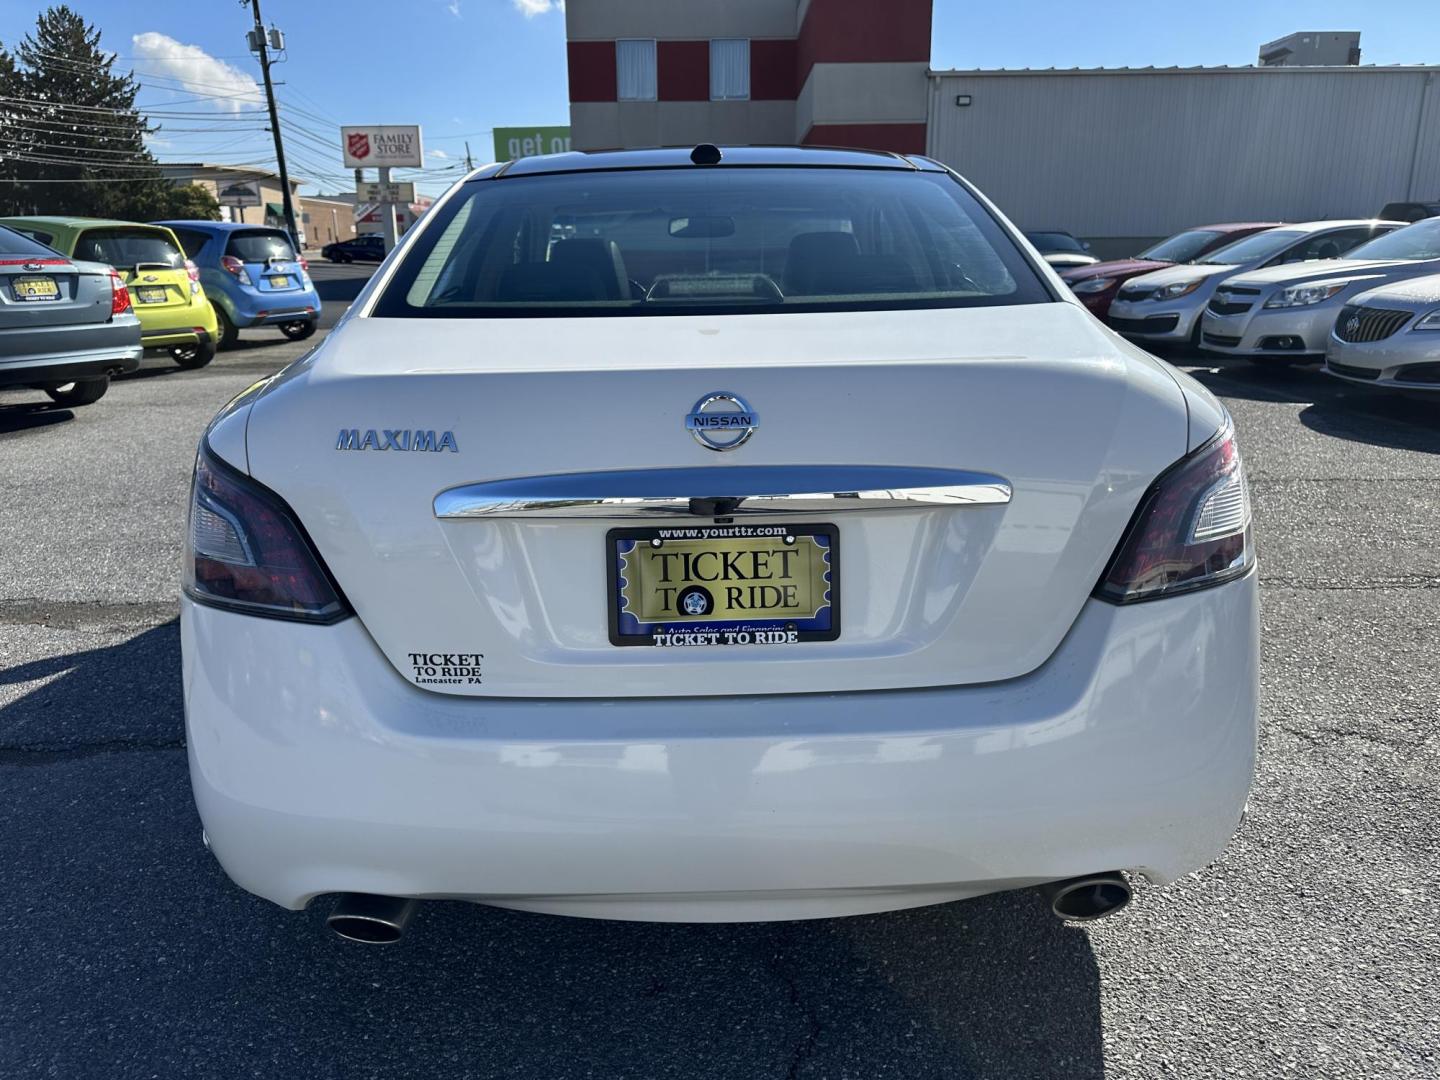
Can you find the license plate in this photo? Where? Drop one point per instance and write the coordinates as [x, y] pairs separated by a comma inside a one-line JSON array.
[[278, 281], [35, 288], [720, 585], [150, 294]]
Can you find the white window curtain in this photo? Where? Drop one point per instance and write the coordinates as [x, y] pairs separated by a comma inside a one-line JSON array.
[[730, 70], [635, 70]]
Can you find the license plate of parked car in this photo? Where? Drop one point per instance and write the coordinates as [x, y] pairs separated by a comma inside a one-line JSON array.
[[278, 281], [724, 585], [150, 294], [35, 288]]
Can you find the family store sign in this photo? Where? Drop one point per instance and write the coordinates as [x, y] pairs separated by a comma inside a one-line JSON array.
[[370, 146]]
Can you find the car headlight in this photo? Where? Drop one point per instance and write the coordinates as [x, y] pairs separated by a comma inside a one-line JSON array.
[[1092, 285], [1305, 295], [1180, 288], [1429, 321]]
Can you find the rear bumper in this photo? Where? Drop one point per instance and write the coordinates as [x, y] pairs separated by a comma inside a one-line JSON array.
[[317, 769], [272, 309], [164, 339], [64, 354], [181, 325]]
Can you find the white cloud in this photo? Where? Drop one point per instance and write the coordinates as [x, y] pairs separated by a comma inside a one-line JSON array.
[[454, 8], [437, 153], [531, 8], [190, 69]]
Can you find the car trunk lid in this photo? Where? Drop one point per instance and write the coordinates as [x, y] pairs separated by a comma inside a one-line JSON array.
[[44, 292], [1035, 396]]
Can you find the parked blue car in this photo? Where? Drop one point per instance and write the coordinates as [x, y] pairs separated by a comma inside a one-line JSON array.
[[253, 277]]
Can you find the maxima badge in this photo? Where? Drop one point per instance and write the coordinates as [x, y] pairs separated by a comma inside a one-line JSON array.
[[721, 421]]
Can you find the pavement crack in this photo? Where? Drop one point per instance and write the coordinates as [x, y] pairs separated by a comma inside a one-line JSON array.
[[1381, 584], [814, 1027], [87, 614], [50, 755]]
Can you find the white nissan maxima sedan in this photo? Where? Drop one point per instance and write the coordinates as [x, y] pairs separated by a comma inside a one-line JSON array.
[[704, 535]]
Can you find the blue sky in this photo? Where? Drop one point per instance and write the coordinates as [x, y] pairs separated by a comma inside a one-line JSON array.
[[462, 67]]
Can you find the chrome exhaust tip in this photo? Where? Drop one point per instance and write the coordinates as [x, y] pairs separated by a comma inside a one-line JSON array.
[[374, 920], [1093, 896]]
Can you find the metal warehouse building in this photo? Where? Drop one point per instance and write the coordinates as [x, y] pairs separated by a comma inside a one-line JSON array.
[[1122, 155], [1118, 156]]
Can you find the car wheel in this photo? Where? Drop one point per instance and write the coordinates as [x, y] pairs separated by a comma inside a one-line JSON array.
[[80, 392], [227, 333], [297, 331], [194, 356]]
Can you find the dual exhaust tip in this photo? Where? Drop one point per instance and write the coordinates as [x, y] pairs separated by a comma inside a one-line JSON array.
[[382, 920]]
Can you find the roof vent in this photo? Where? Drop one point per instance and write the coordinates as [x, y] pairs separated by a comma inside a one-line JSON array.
[[705, 154]]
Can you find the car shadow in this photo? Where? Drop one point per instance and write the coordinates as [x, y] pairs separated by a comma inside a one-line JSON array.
[[28, 415], [145, 925]]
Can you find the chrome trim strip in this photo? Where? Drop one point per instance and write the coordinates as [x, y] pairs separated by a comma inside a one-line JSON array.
[[722, 491]]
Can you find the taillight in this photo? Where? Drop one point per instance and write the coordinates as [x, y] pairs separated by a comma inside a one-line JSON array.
[[1192, 529], [304, 263], [194, 272], [234, 266], [247, 551], [119, 295]]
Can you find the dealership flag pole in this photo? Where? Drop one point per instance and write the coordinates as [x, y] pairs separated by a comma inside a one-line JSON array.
[[258, 45]]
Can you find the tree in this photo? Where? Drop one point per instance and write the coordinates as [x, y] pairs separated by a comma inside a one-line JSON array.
[[73, 131], [188, 202]]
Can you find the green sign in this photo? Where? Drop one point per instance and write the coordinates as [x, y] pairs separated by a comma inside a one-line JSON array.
[[518, 142]]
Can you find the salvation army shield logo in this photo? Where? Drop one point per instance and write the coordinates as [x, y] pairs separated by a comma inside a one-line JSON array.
[[358, 143]]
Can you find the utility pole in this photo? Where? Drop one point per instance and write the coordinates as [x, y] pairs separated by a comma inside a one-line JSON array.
[[259, 45], [468, 163]]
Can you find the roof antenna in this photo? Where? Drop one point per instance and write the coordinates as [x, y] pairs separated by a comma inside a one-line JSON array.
[[705, 154]]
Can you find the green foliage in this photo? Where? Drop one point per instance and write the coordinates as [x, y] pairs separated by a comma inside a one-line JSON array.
[[188, 201], [71, 139]]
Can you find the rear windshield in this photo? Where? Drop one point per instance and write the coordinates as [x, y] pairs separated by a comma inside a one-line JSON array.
[[260, 245], [1418, 241], [1049, 242], [14, 244], [1256, 247], [128, 247], [1182, 247], [713, 241]]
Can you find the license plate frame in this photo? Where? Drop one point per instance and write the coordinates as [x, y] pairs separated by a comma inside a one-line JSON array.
[[645, 629], [149, 294], [27, 296]]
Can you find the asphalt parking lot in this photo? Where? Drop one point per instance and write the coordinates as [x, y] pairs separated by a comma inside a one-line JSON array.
[[1311, 949]]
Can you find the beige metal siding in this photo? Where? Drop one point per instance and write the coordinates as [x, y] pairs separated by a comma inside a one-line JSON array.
[[1142, 153]]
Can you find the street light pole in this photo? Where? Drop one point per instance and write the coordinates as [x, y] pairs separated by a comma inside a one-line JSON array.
[[258, 43]]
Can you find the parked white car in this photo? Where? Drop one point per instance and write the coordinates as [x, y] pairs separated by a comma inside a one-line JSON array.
[[801, 548], [1390, 337], [1284, 314], [1165, 307]]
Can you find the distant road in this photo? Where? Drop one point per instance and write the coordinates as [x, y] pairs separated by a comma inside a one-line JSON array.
[[337, 284]]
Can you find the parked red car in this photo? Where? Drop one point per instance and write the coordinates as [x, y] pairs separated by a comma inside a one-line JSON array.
[[1096, 285]]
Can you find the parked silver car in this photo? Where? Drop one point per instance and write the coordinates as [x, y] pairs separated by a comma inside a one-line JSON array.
[[1164, 307], [65, 326], [1285, 314], [1390, 336]]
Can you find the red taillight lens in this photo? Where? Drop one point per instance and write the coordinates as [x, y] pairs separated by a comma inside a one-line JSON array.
[[234, 266], [119, 294], [192, 270], [247, 551], [1192, 529], [304, 263]]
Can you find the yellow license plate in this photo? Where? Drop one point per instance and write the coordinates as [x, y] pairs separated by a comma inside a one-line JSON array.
[[150, 294], [711, 585], [35, 288], [279, 282]]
